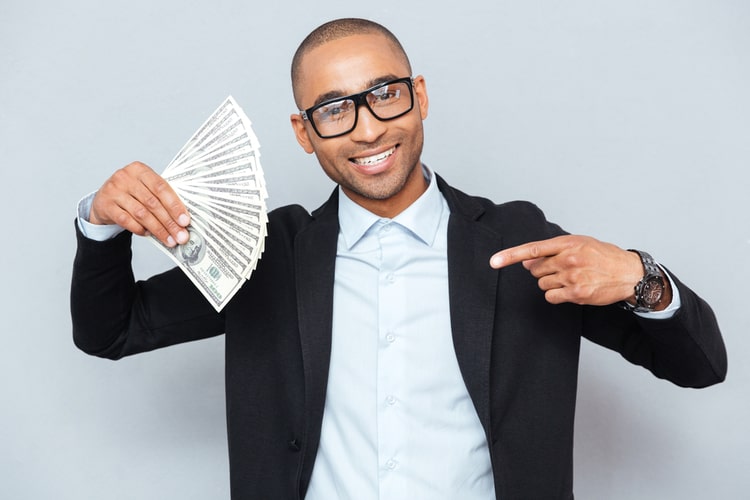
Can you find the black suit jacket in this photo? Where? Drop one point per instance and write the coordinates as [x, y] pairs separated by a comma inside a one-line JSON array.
[[518, 354]]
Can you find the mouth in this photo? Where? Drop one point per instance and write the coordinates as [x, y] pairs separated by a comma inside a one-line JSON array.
[[370, 161]]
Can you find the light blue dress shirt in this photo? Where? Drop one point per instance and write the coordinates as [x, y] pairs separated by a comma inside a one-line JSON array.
[[398, 420]]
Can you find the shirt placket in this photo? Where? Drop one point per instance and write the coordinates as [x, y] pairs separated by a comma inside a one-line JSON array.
[[391, 307]]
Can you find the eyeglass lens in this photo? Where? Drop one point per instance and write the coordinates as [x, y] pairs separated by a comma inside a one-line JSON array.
[[386, 102]]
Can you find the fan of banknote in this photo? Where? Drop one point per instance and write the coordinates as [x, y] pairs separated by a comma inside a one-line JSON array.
[[218, 176]]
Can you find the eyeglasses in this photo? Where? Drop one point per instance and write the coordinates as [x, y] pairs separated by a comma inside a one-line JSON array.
[[337, 117]]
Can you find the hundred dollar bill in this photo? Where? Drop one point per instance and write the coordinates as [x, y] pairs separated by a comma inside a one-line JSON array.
[[219, 178]]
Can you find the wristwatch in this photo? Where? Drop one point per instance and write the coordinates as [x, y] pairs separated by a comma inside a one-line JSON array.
[[650, 290]]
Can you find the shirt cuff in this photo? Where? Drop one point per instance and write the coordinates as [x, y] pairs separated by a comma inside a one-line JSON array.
[[97, 232], [673, 306]]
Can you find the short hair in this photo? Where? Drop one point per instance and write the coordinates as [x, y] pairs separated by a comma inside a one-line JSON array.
[[340, 28]]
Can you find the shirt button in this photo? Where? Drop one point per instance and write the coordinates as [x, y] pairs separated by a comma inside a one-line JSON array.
[[387, 227], [391, 400], [390, 277], [391, 464], [390, 338]]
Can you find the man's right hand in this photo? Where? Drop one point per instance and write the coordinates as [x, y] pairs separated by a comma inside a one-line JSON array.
[[138, 199]]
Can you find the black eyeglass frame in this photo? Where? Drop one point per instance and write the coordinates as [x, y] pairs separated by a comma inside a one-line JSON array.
[[360, 99]]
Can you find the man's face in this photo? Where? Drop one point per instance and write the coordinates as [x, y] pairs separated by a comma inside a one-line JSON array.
[[377, 163]]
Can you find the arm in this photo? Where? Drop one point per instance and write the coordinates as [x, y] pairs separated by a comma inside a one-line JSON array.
[[685, 347], [114, 316]]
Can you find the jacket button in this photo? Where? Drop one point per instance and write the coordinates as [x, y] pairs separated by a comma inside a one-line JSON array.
[[294, 445]]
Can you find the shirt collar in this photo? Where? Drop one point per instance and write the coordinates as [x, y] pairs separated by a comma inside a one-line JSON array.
[[421, 217]]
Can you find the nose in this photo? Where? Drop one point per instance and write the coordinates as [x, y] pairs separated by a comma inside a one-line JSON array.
[[369, 128]]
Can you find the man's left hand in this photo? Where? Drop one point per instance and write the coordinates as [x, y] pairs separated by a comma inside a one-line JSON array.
[[577, 269]]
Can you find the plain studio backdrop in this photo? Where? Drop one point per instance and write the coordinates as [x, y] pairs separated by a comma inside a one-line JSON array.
[[628, 121]]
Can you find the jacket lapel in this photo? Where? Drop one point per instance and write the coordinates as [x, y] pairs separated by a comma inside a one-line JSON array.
[[472, 287], [315, 258]]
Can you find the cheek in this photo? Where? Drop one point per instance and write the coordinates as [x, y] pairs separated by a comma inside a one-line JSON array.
[[329, 152]]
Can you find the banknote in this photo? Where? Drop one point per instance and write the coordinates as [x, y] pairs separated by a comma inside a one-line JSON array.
[[219, 177]]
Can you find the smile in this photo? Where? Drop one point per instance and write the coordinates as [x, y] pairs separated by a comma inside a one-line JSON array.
[[372, 160]]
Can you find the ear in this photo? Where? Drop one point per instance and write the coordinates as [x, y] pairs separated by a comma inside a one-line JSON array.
[[300, 132], [420, 92]]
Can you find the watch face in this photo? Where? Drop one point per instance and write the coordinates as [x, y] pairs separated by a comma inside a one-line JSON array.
[[652, 291]]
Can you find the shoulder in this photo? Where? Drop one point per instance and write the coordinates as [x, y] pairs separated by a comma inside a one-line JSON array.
[[292, 217], [523, 219], [286, 223]]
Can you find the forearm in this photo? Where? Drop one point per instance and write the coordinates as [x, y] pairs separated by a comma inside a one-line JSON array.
[[685, 348], [114, 316], [692, 351]]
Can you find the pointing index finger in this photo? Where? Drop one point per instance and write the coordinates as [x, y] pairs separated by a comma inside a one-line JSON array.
[[527, 251]]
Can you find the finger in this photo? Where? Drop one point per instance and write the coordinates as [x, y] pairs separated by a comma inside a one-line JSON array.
[[122, 218], [164, 197], [576, 294], [149, 210], [141, 201], [556, 296], [550, 282], [135, 214], [527, 251], [542, 266]]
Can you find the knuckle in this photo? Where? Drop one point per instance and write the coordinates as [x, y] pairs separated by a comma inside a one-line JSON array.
[[122, 219], [581, 294], [172, 227], [161, 187], [140, 212], [117, 178], [574, 277], [573, 260], [136, 165], [152, 202]]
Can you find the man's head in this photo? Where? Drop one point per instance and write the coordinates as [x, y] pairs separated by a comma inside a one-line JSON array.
[[334, 30], [376, 157]]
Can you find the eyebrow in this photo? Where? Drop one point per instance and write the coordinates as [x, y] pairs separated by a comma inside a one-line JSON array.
[[337, 94]]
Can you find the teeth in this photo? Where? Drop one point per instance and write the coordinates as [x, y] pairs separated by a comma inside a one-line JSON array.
[[371, 160]]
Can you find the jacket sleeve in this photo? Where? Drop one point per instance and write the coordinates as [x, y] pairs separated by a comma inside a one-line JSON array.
[[686, 349], [115, 316]]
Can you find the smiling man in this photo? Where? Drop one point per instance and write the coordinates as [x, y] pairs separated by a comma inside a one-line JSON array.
[[388, 346]]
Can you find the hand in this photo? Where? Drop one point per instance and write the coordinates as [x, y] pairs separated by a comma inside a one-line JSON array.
[[141, 201], [577, 269]]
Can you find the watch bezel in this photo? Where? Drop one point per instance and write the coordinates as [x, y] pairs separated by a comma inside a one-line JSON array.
[[650, 291], [653, 276]]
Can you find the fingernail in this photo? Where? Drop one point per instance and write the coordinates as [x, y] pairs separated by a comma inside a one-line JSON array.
[[170, 241], [183, 220], [496, 261], [183, 237]]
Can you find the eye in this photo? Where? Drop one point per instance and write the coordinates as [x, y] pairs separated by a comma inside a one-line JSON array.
[[334, 111], [385, 94]]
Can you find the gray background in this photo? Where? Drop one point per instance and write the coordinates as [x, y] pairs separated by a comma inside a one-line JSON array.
[[624, 120]]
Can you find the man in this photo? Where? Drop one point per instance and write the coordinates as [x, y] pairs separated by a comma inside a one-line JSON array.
[[388, 346]]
